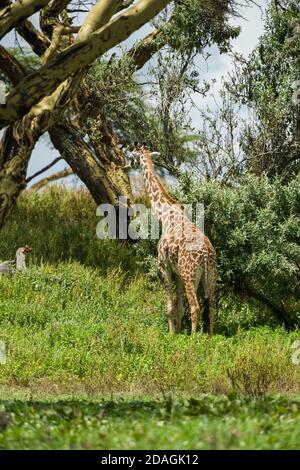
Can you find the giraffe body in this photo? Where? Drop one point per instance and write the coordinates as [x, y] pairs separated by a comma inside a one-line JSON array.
[[186, 257]]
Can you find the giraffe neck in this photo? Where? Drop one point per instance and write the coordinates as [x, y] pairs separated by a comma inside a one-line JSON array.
[[158, 195], [20, 261]]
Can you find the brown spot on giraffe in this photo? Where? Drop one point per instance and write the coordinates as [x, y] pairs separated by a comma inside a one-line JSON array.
[[187, 258]]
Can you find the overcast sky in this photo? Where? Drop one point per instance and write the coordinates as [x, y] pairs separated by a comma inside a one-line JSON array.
[[217, 67]]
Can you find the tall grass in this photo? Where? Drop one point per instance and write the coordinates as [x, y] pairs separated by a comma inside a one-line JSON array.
[[68, 328], [60, 225]]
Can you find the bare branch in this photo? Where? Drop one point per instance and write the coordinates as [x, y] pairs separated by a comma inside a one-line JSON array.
[[11, 67], [40, 172], [56, 176], [37, 40]]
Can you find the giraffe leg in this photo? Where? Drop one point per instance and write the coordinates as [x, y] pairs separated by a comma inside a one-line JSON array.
[[179, 304], [166, 276], [211, 311], [191, 293]]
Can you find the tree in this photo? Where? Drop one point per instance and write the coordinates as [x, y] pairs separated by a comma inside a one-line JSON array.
[[268, 84], [256, 127], [38, 101]]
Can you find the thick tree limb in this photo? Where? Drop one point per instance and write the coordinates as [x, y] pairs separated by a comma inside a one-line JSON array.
[[145, 49], [74, 58], [37, 40], [99, 175], [105, 179], [95, 174], [99, 15], [19, 140], [11, 67], [14, 13]]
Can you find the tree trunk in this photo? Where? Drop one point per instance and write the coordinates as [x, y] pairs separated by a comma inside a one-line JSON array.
[[13, 13], [278, 311], [105, 181], [14, 159], [19, 140], [105, 178]]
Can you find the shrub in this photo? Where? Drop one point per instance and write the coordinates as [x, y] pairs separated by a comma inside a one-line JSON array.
[[255, 228]]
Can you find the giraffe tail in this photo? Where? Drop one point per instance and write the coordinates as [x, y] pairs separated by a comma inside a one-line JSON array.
[[206, 315], [206, 304], [205, 286]]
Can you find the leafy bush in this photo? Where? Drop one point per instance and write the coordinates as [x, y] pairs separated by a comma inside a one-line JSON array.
[[255, 228]]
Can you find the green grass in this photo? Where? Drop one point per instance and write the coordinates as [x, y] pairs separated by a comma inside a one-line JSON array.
[[60, 225], [207, 423], [84, 347], [68, 327]]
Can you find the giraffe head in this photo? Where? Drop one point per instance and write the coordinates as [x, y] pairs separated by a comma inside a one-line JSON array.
[[144, 158], [140, 154], [24, 249]]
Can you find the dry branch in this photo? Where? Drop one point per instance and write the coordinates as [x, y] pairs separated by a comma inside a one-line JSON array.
[[50, 179]]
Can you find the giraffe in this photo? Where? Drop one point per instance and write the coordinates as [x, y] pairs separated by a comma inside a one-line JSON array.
[[18, 264], [186, 257]]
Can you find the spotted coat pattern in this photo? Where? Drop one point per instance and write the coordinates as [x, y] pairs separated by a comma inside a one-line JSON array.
[[187, 259]]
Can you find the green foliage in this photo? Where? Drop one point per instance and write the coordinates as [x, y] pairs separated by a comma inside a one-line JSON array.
[[84, 343], [193, 27], [68, 329], [188, 30], [118, 97], [156, 112], [266, 84], [254, 226], [255, 229]]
